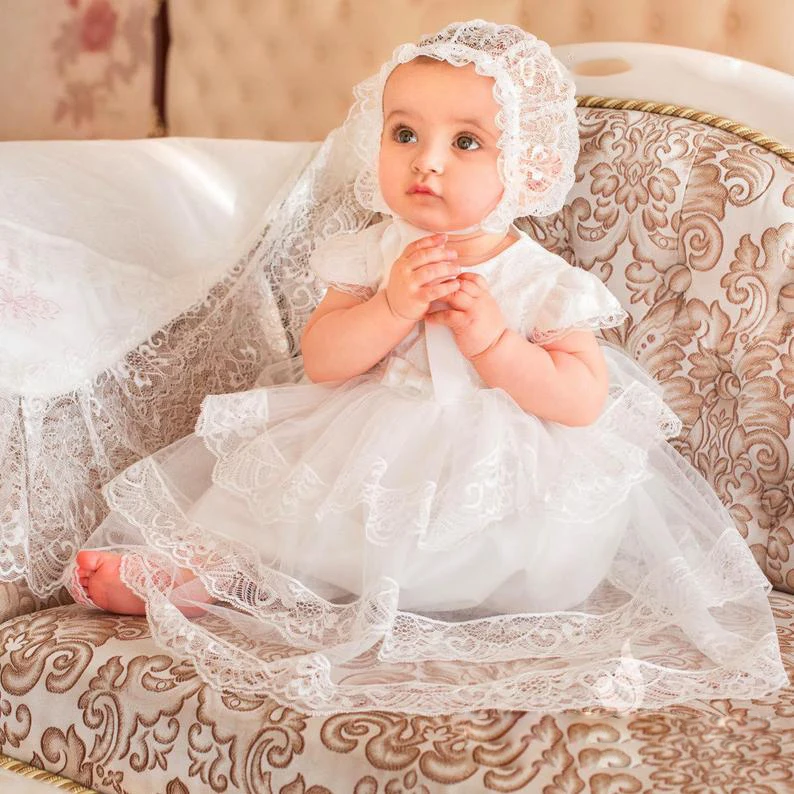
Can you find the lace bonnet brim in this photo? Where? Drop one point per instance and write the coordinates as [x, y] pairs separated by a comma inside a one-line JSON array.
[[539, 137]]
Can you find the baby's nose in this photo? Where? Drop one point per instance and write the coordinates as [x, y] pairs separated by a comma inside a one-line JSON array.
[[429, 160]]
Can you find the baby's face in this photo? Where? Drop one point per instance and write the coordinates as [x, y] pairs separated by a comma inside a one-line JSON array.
[[438, 152]]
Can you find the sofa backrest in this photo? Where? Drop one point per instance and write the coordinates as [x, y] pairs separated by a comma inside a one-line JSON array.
[[692, 228], [284, 69]]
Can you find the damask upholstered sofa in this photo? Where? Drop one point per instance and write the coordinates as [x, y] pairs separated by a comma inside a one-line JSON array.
[[691, 225]]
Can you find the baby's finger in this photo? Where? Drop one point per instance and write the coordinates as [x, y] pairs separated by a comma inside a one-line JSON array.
[[475, 280], [427, 256], [449, 317], [435, 271], [434, 292], [461, 300], [470, 287], [425, 242]]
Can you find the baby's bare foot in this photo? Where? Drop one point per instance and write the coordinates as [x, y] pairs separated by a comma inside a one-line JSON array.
[[98, 574]]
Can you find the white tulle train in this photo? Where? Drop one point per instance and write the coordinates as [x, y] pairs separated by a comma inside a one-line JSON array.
[[364, 546]]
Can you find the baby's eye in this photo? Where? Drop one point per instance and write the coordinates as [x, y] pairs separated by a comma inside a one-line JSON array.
[[467, 142], [404, 135]]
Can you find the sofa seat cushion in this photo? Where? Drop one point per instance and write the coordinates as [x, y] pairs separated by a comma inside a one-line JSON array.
[[90, 696]]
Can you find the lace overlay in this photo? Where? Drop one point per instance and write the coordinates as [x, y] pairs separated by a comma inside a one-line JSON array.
[[249, 319], [50, 502]]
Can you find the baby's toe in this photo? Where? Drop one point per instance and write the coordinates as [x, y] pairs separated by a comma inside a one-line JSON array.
[[88, 561]]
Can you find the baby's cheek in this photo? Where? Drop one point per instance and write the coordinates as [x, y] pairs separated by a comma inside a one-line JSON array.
[[489, 186], [386, 170], [488, 195]]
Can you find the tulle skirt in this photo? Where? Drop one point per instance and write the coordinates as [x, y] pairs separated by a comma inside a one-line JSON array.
[[356, 546]]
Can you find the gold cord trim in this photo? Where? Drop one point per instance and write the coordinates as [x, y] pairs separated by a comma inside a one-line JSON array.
[[712, 120], [42, 776]]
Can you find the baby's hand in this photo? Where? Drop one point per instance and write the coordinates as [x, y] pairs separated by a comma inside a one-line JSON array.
[[474, 317], [424, 272]]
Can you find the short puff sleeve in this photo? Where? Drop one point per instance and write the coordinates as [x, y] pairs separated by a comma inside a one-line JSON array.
[[350, 263], [576, 301]]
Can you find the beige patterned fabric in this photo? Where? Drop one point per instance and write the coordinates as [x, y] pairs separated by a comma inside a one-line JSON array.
[[250, 69], [693, 229], [77, 69], [16, 598], [91, 697]]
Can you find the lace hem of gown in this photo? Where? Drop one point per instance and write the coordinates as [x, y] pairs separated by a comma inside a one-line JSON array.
[[320, 683], [230, 571]]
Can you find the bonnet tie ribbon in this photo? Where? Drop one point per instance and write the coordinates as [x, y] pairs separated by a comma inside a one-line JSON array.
[[449, 369]]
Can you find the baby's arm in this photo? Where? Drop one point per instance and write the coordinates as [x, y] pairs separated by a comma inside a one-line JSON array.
[[345, 336], [563, 381]]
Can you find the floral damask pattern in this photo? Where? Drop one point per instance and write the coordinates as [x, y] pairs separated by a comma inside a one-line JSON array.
[[692, 229], [90, 696], [119, 35]]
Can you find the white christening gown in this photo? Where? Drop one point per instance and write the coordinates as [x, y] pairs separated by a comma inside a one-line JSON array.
[[411, 539]]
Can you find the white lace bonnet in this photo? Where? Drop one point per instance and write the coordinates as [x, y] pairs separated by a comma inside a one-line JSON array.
[[539, 141]]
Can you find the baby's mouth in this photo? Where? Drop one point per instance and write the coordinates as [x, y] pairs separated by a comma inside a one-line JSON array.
[[421, 190]]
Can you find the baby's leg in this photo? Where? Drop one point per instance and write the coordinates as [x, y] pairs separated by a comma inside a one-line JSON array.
[[99, 575]]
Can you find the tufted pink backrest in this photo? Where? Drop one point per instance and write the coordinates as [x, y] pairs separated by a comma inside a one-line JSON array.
[[283, 69], [693, 229]]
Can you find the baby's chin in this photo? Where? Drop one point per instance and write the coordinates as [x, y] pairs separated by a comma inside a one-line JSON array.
[[431, 225]]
